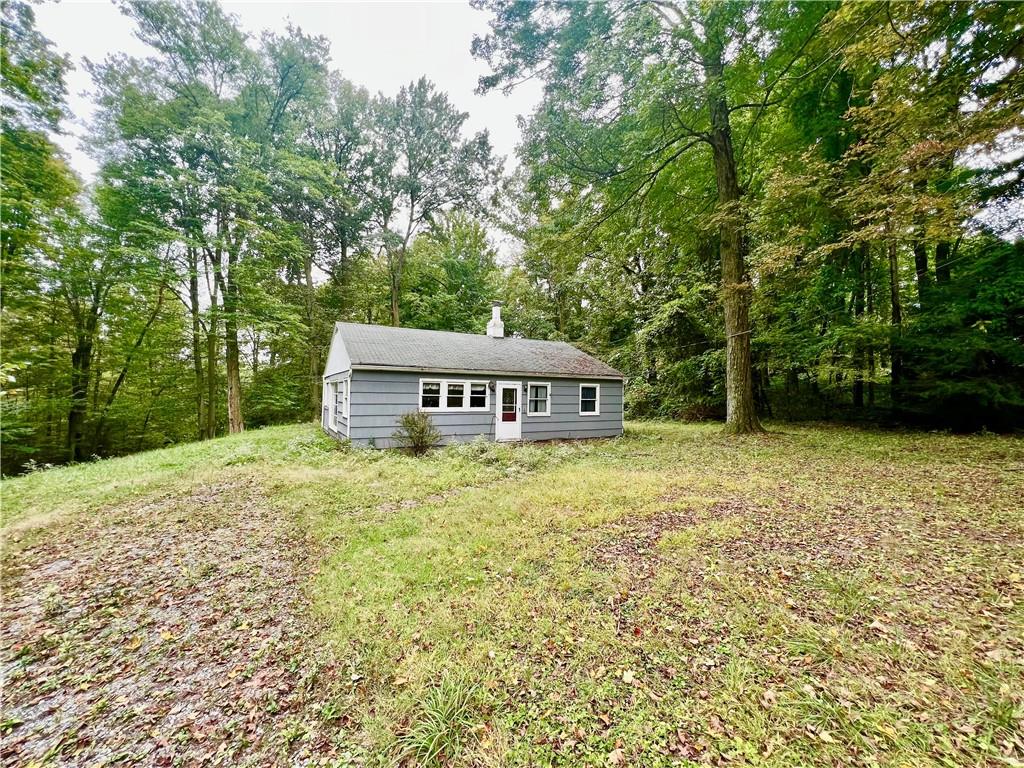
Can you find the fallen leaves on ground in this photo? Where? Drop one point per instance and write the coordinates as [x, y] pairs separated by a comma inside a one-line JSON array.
[[171, 631]]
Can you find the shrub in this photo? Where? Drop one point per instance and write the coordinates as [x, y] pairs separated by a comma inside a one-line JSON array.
[[416, 433]]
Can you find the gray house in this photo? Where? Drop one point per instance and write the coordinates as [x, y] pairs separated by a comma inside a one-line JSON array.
[[505, 389]]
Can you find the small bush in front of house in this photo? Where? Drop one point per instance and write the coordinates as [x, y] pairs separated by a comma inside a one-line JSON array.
[[416, 433]]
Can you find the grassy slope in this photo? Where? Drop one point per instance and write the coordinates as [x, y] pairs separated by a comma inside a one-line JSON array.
[[819, 595]]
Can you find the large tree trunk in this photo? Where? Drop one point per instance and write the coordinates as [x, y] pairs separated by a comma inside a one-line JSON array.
[[52, 440], [395, 265], [229, 303], [192, 255], [315, 390], [943, 250], [232, 369], [101, 422], [97, 360], [81, 368], [920, 249], [869, 286], [235, 422], [895, 354], [81, 363], [211, 375], [861, 261], [741, 414]]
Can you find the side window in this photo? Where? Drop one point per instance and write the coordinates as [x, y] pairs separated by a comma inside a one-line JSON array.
[[346, 385], [478, 394], [430, 394], [539, 400], [590, 399]]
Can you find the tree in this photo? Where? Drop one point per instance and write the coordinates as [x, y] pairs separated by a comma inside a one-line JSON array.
[[422, 168], [225, 115], [318, 190], [800, 210], [634, 90], [452, 277], [38, 186]]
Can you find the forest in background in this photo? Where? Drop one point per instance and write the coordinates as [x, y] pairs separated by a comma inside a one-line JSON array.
[[784, 210]]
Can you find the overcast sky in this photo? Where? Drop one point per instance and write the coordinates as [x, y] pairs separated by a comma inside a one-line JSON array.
[[379, 45]]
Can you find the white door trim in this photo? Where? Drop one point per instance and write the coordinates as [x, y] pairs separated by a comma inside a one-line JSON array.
[[507, 431]]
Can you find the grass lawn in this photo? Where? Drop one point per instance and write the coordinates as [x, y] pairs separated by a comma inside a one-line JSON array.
[[817, 596]]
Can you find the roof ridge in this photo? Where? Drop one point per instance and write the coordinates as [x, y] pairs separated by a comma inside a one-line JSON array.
[[424, 330], [455, 333]]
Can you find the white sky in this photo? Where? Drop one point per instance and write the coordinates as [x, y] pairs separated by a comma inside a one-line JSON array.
[[379, 45]]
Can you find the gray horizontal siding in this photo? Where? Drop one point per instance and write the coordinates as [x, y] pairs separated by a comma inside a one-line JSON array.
[[378, 398], [565, 420]]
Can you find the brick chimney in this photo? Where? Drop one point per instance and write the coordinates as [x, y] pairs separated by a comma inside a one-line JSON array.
[[496, 328]]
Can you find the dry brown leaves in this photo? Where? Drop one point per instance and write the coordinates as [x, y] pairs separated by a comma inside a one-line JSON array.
[[166, 632]]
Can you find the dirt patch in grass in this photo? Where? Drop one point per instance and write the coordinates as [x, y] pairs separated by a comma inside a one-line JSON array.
[[169, 631], [632, 541]]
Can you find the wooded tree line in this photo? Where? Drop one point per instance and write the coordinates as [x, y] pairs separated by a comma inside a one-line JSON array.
[[795, 210], [812, 173]]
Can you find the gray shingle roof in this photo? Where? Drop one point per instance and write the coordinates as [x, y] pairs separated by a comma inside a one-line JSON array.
[[383, 345]]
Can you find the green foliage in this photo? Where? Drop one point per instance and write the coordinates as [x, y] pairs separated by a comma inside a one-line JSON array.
[[38, 188], [452, 277], [416, 432], [422, 168], [272, 396], [242, 177], [859, 134], [249, 197], [966, 358], [31, 73], [442, 726]]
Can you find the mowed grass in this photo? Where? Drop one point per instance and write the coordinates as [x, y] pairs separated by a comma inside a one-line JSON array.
[[816, 596]]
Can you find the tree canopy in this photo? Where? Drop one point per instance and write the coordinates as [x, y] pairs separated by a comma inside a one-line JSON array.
[[754, 210]]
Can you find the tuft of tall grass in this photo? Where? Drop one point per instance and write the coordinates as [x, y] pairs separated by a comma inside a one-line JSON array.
[[442, 726]]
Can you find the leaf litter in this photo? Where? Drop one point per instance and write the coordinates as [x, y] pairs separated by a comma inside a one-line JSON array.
[[172, 630]]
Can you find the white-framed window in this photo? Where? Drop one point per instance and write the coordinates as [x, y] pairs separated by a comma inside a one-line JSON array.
[[332, 405], [430, 395], [336, 400], [454, 395], [538, 398], [590, 399], [326, 395], [478, 398]]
